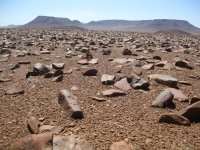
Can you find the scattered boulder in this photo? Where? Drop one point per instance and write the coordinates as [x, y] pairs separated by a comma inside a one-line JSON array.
[[40, 69], [15, 66], [135, 62], [164, 99], [67, 100], [45, 52], [113, 93], [191, 112], [183, 64], [58, 65], [120, 61], [126, 51], [168, 50], [58, 78], [132, 79], [33, 124], [4, 51], [161, 63], [88, 55], [70, 54], [19, 53], [21, 72], [137, 70], [90, 72], [119, 76], [57, 73], [15, 88], [107, 79], [164, 79], [194, 100], [157, 57], [178, 95], [49, 74], [148, 66], [94, 61], [123, 84], [137, 83], [106, 52], [83, 62], [174, 119], [24, 62], [141, 84]]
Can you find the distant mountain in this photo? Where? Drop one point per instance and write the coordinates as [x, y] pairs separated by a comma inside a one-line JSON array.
[[120, 25], [52, 21], [143, 25]]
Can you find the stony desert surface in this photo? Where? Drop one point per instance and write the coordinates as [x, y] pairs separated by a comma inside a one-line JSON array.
[[80, 89]]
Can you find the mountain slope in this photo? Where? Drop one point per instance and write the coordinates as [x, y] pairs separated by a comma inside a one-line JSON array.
[[119, 25], [52, 21]]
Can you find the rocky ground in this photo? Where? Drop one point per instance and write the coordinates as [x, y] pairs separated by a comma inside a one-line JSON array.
[[101, 90]]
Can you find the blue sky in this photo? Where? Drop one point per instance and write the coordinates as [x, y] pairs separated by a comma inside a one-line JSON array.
[[23, 11]]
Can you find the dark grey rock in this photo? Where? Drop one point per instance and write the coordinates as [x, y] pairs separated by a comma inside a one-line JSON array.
[[164, 99]]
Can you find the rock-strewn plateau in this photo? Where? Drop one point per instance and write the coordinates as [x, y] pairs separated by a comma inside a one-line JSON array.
[[96, 88]]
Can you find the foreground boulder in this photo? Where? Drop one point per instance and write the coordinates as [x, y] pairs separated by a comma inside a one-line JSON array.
[[35, 142], [191, 112], [67, 100], [164, 79], [174, 119], [70, 143], [164, 99]]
